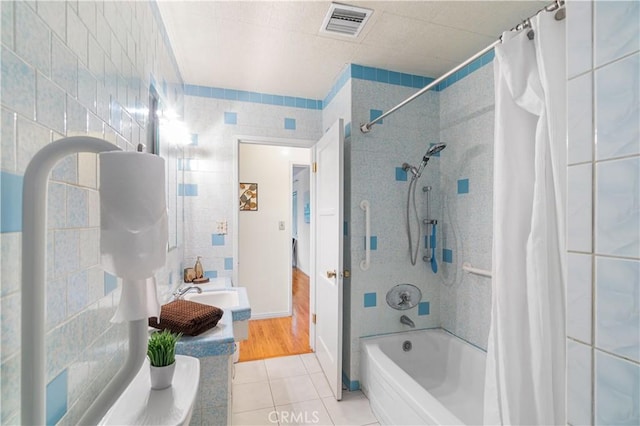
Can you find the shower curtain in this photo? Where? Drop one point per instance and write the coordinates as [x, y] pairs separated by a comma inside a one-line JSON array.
[[525, 375]]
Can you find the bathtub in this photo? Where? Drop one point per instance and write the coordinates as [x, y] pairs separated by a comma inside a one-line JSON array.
[[439, 381]]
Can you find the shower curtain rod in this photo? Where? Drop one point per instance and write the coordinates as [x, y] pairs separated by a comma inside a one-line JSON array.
[[556, 5]]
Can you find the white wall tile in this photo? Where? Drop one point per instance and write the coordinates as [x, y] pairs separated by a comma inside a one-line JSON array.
[[579, 208], [617, 30], [618, 108], [579, 384], [617, 300], [580, 119], [617, 207], [579, 290], [579, 45], [617, 391]]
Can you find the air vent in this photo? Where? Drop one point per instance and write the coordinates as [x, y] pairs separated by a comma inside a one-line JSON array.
[[345, 20]]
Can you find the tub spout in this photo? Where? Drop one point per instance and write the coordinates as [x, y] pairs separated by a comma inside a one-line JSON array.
[[407, 321]]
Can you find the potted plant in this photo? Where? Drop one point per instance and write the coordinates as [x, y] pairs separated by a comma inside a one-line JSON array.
[[161, 351]]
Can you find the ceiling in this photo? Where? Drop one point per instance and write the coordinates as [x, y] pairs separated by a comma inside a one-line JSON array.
[[276, 46]]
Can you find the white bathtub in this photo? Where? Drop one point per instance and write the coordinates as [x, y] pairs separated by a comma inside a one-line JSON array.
[[440, 381]]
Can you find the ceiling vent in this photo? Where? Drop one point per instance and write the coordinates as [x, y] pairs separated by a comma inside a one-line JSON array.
[[345, 20]]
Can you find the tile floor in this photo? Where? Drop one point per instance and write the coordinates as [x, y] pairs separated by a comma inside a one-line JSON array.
[[292, 390]]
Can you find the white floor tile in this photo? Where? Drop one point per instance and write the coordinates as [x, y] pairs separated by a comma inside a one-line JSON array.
[[264, 416], [251, 396], [293, 389], [249, 372], [311, 363], [304, 413], [321, 385], [286, 366], [353, 410]]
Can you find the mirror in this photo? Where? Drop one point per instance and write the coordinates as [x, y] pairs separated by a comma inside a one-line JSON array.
[[165, 143]]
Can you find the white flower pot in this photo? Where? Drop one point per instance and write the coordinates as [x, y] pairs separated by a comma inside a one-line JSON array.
[[161, 377]]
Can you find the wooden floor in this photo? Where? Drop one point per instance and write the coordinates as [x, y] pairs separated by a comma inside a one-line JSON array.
[[281, 336]]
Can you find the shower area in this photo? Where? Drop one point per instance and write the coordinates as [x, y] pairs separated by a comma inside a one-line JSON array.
[[387, 167]]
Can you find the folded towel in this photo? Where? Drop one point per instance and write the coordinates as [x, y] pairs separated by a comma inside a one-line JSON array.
[[187, 317]]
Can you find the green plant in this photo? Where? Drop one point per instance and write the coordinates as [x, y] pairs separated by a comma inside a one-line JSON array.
[[161, 348]]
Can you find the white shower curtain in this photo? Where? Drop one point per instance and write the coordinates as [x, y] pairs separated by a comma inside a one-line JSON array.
[[525, 376]]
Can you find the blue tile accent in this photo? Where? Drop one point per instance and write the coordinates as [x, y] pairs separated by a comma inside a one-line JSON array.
[[447, 255], [401, 175], [395, 78], [373, 242], [188, 189], [230, 118], [463, 186], [375, 113], [347, 130], [278, 100], [211, 274], [357, 71], [194, 139], [244, 96], [267, 99], [423, 308], [289, 101], [217, 240], [345, 228], [57, 398], [11, 202], [406, 80], [369, 300], [228, 263], [110, 283], [290, 123]]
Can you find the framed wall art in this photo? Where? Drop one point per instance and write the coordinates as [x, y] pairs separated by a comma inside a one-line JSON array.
[[248, 197]]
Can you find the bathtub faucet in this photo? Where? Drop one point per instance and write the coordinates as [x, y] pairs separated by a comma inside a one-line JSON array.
[[407, 321]]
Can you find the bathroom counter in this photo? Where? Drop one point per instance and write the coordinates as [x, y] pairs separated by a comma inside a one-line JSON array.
[[217, 341]]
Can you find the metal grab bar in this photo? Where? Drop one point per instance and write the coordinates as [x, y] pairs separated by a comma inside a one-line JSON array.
[[364, 205], [470, 269]]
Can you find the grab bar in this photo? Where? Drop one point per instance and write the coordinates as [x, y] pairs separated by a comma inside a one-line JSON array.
[[364, 205], [482, 272]]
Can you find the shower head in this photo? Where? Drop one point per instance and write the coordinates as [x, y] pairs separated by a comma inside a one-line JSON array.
[[433, 150]]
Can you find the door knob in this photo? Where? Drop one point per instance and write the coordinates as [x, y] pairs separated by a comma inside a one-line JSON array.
[[346, 273], [331, 274]]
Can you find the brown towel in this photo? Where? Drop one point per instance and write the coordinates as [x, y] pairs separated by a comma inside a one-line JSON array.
[[187, 317]]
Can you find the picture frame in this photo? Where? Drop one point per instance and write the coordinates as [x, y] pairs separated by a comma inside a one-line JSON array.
[[248, 197]]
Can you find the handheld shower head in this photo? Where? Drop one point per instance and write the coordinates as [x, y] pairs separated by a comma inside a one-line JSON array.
[[433, 150]]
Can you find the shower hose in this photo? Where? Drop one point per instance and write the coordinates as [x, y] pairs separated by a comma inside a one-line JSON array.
[[411, 200]]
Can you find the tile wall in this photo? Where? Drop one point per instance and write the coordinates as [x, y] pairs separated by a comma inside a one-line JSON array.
[[216, 118], [603, 217], [72, 68], [466, 197], [373, 175]]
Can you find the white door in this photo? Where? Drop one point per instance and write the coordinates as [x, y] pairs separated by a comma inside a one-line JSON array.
[[328, 154]]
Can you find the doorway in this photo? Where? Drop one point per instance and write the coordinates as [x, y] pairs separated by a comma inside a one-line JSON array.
[[273, 249]]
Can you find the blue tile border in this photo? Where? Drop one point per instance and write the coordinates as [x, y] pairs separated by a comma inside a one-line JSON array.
[[470, 68], [217, 239], [352, 385], [254, 97], [230, 118], [211, 274], [447, 255], [423, 308], [11, 202], [375, 113], [401, 175]]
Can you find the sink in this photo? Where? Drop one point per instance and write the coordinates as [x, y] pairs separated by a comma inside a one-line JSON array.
[[219, 298], [232, 299]]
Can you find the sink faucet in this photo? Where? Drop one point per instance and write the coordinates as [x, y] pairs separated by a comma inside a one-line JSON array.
[[407, 321], [181, 291]]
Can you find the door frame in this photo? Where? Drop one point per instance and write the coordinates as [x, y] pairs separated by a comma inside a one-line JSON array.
[[235, 220]]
